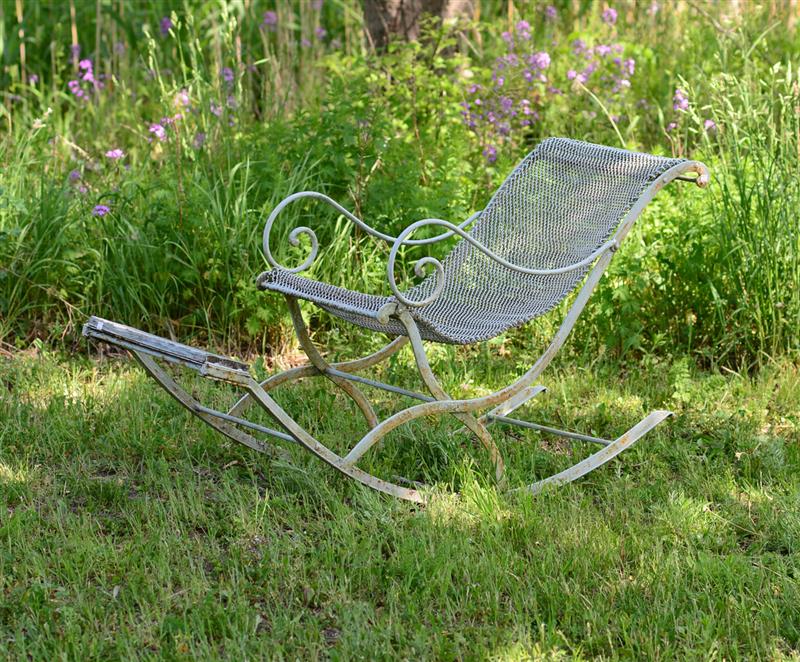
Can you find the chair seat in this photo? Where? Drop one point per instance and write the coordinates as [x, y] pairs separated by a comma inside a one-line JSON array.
[[360, 309], [559, 206]]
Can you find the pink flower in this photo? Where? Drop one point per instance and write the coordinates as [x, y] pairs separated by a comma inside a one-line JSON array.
[[158, 131], [710, 125], [680, 101], [609, 16], [100, 210], [115, 154]]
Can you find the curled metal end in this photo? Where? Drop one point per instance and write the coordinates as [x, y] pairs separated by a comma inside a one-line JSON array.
[[703, 174], [419, 270], [386, 311], [294, 240]]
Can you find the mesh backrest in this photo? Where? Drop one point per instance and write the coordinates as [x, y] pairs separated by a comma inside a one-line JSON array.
[[558, 206]]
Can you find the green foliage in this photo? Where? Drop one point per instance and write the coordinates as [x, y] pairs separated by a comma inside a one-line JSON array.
[[250, 112]]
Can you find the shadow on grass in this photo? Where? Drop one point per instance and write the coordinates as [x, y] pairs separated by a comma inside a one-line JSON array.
[[128, 529]]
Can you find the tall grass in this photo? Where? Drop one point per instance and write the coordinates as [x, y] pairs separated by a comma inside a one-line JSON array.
[[255, 107], [755, 206]]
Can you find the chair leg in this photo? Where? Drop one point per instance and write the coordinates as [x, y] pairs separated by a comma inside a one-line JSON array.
[[473, 424], [322, 365], [324, 453], [294, 374]]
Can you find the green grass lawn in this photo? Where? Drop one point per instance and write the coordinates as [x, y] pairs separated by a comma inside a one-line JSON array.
[[130, 530]]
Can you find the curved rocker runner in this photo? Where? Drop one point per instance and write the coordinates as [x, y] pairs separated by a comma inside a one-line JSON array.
[[552, 226]]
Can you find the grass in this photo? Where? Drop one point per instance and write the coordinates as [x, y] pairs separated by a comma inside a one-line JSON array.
[[131, 531], [128, 530]]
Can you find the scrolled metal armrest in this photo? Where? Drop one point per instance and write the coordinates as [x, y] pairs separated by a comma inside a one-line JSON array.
[[294, 236], [402, 240]]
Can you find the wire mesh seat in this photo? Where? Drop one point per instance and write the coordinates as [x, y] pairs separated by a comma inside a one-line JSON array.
[[552, 226], [556, 209]]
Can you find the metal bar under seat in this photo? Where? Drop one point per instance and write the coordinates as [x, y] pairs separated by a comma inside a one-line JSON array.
[[500, 419], [545, 428], [241, 421], [380, 385]]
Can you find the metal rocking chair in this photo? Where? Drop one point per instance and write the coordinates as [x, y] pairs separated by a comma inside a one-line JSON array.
[[556, 221]]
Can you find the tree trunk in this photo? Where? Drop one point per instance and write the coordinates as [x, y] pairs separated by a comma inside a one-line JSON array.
[[400, 19]]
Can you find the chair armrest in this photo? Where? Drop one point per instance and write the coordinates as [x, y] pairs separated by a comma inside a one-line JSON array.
[[294, 235], [419, 266]]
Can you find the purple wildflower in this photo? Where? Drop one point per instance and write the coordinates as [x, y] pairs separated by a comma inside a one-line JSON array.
[[572, 74], [609, 16], [680, 101], [524, 30], [320, 32], [216, 109], [550, 13], [33, 79], [75, 89], [182, 98], [540, 60], [158, 131], [115, 154], [199, 140], [490, 153], [507, 38], [629, 66], [86, 65], [602, 50], [672, 126], [227, 74], [74, 175], [270, 21], [305, 43], [100, 210], [165, 25], [710, 125]]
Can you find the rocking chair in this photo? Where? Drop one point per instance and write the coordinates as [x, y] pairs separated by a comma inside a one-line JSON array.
[[554, 223]]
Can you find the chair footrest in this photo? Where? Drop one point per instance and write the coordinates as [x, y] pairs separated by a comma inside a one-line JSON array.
[[206, 363]]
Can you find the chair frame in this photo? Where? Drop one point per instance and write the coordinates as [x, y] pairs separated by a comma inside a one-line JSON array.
[[476, 414]]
